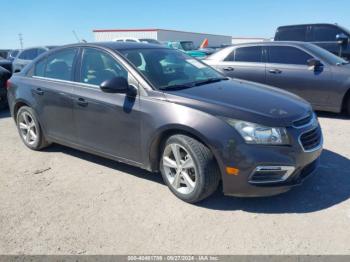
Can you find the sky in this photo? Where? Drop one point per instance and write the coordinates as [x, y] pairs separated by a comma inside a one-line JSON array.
[[52, 22]]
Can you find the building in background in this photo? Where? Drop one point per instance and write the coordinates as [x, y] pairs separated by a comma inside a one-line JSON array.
[[243, 40], [162, 35]]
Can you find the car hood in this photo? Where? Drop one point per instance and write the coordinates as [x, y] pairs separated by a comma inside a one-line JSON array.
[[243, 100]]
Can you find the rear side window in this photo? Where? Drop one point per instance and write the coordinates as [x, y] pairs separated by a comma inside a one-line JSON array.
[[325, 33], [287, 55], [59, 65], [246, 54], [291, 34]]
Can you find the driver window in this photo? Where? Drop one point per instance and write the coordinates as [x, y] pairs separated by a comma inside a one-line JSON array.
[[98, 66]]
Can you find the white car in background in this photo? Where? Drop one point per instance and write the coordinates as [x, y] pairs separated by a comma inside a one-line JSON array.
[[137, 40], [25, 56]]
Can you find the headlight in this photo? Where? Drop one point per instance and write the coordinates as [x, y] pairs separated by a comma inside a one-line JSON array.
[[257, 134]]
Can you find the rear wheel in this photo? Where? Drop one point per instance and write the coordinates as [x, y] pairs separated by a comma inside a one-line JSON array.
[[29, 129], [189, 168]]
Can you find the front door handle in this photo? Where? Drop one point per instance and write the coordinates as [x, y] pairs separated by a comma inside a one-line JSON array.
[[229, 68], [38, 91], [82, 102], [275, 71]]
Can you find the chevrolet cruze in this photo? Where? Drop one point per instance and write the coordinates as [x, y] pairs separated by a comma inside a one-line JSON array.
[[162, 110]]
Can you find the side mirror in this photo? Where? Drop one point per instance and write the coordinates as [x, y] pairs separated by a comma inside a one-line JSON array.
[[314, 64], [115, 85], [342, 39]]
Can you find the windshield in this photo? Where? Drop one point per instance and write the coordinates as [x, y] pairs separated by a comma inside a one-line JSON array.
[[187, 46], [169, 68], [326, 55]]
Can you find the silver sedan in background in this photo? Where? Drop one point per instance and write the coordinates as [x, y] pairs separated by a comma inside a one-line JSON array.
[[305, 69]]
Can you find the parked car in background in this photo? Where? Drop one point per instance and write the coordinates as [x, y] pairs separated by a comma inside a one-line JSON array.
[[4, 76], [187, 47], [12, 55], [160, 109], [305, 69], [331, 37], [7, 64], [137, 40], [25, 56]]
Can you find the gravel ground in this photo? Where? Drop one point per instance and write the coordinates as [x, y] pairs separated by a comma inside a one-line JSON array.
[[63, 201]]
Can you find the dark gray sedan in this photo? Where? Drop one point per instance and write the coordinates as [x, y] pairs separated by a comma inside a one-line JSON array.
[[160, 109], [305, 69]]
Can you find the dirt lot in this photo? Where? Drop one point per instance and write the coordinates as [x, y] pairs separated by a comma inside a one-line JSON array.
[[62, 201]]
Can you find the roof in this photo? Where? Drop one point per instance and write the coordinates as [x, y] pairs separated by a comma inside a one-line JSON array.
[[117, 45], [273, 43], [308, 25], [149, 30]]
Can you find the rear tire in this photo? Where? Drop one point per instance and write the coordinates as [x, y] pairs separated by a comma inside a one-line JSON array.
[[29, 129], [189, 168]]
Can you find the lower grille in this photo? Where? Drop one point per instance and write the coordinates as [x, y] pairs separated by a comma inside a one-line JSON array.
[[311, 140]]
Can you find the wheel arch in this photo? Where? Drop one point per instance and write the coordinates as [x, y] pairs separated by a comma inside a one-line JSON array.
[[18, 104], [162, 135]]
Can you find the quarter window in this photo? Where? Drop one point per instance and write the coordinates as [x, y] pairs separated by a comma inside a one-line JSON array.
[[39, 69], [98, 66], [246, 54], [59, 65], [287, 55]]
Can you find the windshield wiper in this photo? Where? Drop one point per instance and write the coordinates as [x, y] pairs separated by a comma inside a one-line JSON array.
[[177, 87], [192, 84], [210, 80]]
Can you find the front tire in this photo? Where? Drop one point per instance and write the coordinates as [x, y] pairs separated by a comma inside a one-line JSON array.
[[29, 129], [189, 168]]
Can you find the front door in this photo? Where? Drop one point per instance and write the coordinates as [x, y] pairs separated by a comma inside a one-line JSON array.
[[107, 123], [287, 69]]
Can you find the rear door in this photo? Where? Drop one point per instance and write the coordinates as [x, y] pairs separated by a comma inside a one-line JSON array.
[[287, 69], [52, 88], [244, 63]]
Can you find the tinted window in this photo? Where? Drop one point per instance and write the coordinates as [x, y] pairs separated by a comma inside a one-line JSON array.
[[246, 54], [98, 66], [287, 55], [39, 69], [28, 54], [59, 65], [291, 34], [325, 33]]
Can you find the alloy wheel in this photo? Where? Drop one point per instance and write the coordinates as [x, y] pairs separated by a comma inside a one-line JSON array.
[[180, 169], [28, 128]]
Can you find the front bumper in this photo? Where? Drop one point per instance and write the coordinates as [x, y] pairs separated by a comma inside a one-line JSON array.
[[290, 164]]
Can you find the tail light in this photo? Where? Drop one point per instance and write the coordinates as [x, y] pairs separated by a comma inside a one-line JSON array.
[[8, 84]]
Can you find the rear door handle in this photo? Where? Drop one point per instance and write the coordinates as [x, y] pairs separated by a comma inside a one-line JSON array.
[[229, 68], [82, 102], [275, 71], [38, 91]]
